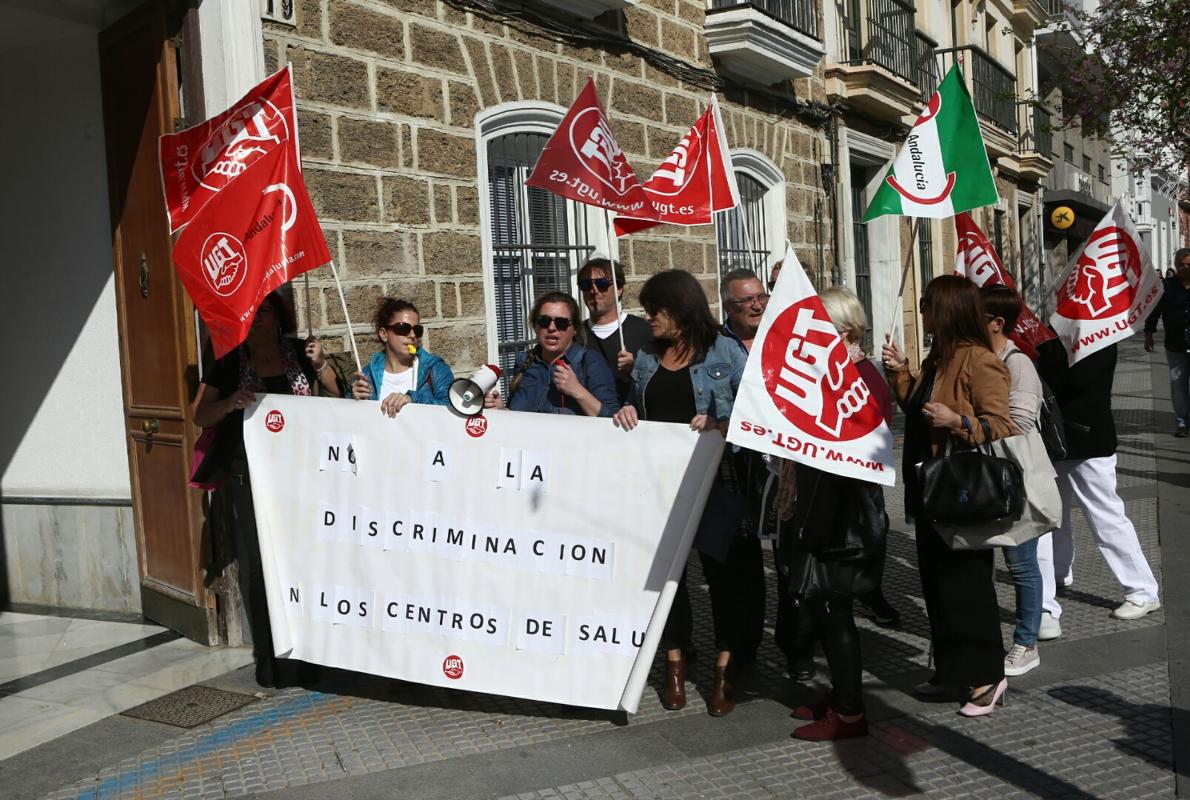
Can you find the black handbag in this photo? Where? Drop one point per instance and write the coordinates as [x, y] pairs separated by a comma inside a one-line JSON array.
[[1050, 425], [971, 485]]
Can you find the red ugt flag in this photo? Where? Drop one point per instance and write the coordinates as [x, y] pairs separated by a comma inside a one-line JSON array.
[[583, 162], [254, 235], [977, 260], [695, 181], [198, 162]]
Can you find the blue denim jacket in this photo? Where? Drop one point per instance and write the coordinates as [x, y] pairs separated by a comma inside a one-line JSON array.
[[716, 378], [537, 392], [434, 378]]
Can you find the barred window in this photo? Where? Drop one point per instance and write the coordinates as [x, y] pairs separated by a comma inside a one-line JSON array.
[[536, 240], [752, 235], [925, 251]]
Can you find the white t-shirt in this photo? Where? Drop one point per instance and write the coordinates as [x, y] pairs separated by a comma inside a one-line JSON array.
[[397, 383], [606, 329]]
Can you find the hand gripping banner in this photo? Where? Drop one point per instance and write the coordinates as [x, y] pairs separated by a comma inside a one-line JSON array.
[[583, 162], [978, 261], [254, 235], [198, 162], [801, 397], [1107, 290], [694, 182]]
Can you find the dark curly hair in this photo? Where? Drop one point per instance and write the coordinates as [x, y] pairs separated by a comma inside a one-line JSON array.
[[389, 306]]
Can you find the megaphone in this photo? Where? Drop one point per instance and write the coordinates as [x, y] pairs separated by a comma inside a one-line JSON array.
[[466, 394]]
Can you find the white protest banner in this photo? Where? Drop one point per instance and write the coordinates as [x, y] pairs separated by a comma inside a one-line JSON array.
[[801, 397], [1107, 290], [528, 555]]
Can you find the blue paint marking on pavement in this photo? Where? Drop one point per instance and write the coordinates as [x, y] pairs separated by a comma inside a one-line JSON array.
[[207, 744]]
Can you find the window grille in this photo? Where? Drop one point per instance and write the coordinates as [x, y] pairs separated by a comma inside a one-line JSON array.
[[742, 233], [925, 252], [539, 241]]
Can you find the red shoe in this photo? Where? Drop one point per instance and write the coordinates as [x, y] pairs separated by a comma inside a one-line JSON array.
[[811, 712], [831, 727]]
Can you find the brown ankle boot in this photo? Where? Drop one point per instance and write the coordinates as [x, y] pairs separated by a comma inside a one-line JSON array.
[[674, 695], [723, 697]]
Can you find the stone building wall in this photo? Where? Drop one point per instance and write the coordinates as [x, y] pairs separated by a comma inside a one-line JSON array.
[[387, 96]]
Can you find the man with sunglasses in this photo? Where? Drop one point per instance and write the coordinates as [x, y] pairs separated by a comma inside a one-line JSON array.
[[605, 305]]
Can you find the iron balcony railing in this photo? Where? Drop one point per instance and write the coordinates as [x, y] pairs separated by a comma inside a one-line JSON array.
[[1043, 132], [925, 62], [993, 85], [801, 15], [1054, 8], [885, 38]]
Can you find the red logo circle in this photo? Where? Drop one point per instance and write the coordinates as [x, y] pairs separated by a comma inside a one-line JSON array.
[[452, 667], [274, 421], [810, 377], [596, 150], [1104, 282], [477, 426], [224, 263]]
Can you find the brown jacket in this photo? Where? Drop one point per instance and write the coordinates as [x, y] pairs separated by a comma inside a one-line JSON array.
[[974, 384]]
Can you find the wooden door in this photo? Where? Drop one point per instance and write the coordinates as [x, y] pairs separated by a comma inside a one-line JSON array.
[[138, 65]]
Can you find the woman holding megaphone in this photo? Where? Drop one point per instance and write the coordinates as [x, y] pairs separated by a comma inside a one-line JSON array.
[[689, 374], [559, 375], [403, 372]]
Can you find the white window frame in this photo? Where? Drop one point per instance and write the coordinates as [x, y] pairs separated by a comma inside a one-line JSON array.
[[757, 166], [884, 242], [508, 119]]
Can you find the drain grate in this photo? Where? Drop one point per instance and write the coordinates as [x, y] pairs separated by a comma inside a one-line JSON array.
[[189, 707]]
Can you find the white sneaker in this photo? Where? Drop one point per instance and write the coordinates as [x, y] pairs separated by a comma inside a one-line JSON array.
[[1021, 659], [1134, 610], [1050, 628]]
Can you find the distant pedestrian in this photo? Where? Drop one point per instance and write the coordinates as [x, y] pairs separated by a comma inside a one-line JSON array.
[[1088, 475], [1173, 311]]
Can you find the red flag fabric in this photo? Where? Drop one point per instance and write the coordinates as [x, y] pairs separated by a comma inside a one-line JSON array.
[[583, 162], [198, 162], [695, 181], [978, 261], [254, 235], [1108, 289]]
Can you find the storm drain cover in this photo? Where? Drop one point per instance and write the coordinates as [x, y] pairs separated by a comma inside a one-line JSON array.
[[191, 706]]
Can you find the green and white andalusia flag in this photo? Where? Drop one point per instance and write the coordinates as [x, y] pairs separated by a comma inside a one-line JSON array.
[[942, 168]]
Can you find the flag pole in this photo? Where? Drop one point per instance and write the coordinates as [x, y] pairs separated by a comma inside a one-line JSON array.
[[350, 333], [899, 312], [607, 222]]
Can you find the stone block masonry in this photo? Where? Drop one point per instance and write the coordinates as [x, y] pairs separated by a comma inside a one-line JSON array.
[[388, 95]]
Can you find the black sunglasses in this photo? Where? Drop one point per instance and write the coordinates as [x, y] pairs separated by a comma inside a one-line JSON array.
[[602, 284], [561, 323], [403, 328]]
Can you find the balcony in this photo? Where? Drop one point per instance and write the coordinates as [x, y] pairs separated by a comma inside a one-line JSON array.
[[589, 9], [1036, 143], [925, 62], [993, 86], [764, 41], [883, 68]]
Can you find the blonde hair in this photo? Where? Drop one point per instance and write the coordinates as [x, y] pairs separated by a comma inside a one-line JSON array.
[[846, 311]]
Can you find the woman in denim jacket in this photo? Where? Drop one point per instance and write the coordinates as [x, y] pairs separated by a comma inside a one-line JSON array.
[[559, 375], [689, 375], [403, 372]]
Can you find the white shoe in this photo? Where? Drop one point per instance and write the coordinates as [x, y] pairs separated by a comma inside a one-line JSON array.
[[1134, 610], [1021, 659], [1050, 628]]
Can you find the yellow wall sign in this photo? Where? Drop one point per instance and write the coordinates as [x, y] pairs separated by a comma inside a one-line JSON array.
[[1062, 217]]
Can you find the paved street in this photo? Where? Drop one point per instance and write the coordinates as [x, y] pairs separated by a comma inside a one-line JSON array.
[[1093, 721]]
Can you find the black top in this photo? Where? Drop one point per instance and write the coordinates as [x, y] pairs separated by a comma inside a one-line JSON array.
[[224, 375], [917, 440], [1173, 311], [669, 396], [1083, 393], [637, 334]]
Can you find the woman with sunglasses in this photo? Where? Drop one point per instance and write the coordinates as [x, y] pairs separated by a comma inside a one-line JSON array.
[[689, 375], [559, 375], [403, 372]]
